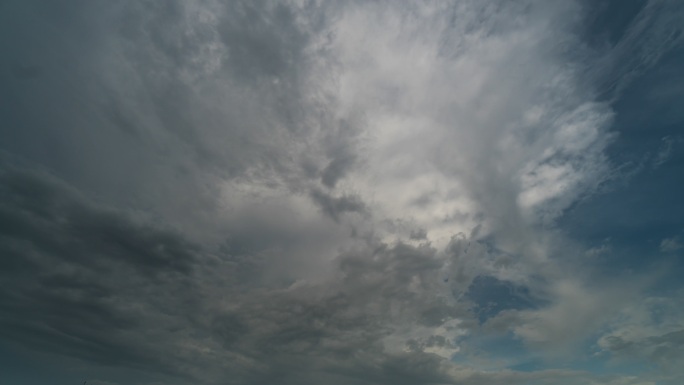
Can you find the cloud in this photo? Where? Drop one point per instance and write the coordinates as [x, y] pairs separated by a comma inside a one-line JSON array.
[[669, 245], [335, 206], [388, 316], [650, 330], [92, 282], [652, 33], [82, 293], [574, 314], [664, 152], [73, 271], [306, 191], [37, 207]]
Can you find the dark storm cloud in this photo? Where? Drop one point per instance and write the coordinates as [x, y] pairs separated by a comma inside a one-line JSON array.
[[42, 213], [89, 281], [74, 273]]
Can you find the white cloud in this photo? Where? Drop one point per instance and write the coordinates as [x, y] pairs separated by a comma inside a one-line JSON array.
[[447, 115]]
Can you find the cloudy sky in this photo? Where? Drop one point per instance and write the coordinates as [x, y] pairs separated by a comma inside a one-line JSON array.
[[342, 192]]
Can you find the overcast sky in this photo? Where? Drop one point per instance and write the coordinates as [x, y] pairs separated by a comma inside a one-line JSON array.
[[472, 192]]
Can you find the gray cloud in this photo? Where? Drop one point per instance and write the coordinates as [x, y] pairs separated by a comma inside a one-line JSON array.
[[45, 215], [75, 273], [92, 282], [335, 206]]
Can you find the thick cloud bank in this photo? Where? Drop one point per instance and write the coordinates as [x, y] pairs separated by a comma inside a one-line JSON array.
[[306, 192]]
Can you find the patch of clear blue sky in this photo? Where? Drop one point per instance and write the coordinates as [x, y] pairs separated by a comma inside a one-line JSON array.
[[644, 205], [491, 296]]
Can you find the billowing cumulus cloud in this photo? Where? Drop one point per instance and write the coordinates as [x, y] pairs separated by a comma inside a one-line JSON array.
[[304, 192]]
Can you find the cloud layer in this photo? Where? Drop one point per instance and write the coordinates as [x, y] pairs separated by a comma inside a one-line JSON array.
[[312, 192]]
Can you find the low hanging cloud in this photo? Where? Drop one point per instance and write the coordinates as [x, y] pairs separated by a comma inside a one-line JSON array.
[[311, 192]]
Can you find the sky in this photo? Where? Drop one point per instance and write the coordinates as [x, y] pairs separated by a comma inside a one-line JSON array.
[[374, 192]]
